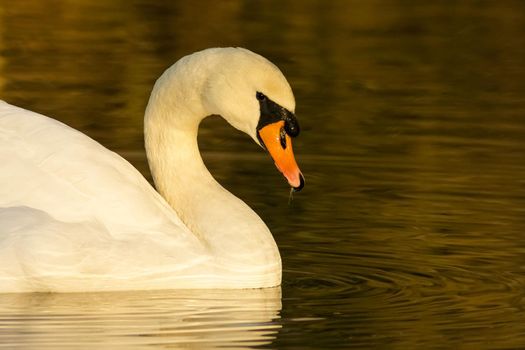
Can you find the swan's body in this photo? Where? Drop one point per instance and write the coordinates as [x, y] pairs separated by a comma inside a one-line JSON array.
[[75, 216]]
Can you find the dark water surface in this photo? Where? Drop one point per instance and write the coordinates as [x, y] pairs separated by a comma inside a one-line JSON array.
[[410, 230]]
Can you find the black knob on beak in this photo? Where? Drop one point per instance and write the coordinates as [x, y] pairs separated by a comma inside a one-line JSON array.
[[291, 125]]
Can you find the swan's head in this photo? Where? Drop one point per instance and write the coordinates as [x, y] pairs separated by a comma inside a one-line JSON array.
[[253, 95]]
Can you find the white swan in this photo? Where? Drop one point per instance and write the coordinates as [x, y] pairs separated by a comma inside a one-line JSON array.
[[75, 216]]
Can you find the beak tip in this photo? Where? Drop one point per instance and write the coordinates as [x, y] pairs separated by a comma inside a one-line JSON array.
[[301, 184]]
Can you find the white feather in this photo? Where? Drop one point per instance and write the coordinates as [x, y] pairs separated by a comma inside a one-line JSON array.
[[75, 216]]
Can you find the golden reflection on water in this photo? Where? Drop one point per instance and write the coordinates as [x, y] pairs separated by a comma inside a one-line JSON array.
[[409, 232], [188, 319]]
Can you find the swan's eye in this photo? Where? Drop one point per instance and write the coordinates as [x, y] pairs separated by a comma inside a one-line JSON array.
[[260, 96]]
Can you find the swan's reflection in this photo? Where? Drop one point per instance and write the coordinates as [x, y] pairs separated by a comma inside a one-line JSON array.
[[166, 319]]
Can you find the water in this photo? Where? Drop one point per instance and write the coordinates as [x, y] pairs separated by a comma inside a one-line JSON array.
[[410, 230]]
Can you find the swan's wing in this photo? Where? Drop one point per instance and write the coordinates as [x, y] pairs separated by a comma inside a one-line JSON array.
[[52, 167], [41, 253], [70, 206]]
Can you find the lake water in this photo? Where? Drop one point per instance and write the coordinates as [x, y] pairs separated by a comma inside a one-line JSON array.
[[410, 232]]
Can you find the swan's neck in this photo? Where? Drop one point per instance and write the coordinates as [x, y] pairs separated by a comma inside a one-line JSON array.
[[232, 232]]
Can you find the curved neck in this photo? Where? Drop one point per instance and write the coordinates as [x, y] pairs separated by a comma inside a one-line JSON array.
[[171, 124], [225, 225]]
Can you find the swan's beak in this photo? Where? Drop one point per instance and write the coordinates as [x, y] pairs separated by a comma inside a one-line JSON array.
[[279, 145]]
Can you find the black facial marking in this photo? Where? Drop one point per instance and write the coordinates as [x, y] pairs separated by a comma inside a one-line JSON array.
[[271, 112]]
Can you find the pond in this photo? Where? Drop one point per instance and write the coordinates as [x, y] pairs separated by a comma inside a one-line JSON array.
[[410, 231]]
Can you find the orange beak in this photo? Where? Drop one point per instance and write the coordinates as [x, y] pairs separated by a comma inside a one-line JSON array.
[[279, 144]]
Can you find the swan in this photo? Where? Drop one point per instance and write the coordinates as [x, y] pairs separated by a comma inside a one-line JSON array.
[[77, 217]]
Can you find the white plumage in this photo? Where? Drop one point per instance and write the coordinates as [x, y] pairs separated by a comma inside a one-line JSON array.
[[75, 216]]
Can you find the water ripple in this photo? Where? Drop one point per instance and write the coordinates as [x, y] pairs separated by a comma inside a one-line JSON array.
[[204, 319]]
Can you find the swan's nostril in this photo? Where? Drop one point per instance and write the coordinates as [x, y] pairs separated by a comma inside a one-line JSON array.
[[282, 137], [301, 184]]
